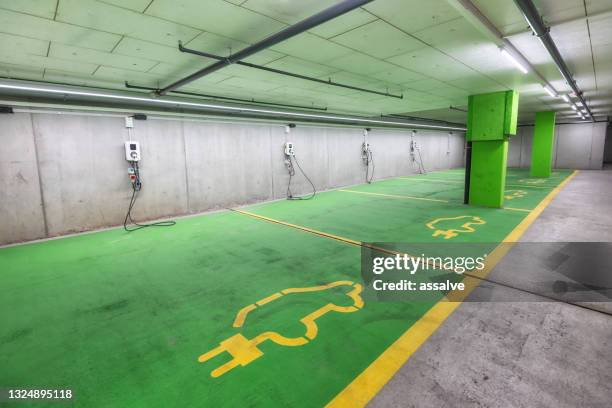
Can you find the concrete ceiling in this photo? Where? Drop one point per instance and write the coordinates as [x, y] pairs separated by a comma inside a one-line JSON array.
[[425, 50]]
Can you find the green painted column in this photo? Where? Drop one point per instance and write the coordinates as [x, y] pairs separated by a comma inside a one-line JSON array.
[[491, 120], [543, 143]]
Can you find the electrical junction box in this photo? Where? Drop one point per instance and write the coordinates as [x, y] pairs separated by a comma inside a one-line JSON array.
[[129, 122], [132, 151], [289, 149]]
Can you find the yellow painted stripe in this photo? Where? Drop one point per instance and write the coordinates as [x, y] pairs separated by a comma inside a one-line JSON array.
[[363, 388], [427, 179], [420, 198], [300, 227], [394, 196], [516, 209]]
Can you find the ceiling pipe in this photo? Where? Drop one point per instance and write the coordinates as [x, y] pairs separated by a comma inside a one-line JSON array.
[[534, 19], [594, 16], [281, 72], [227, 98], [457, 109], [486, 27], [291, 31], [80, 95]]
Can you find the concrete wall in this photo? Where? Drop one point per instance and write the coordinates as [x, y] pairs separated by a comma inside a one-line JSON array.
[[67, 173], [577, 146]]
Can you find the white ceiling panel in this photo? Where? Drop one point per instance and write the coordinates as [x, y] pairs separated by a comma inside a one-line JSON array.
[[344, 23], [360, 64], [412, 16], [112, 19], [300, 66], [378, 39], [426, 85], [310, 47], [215, 44], [105, 73], [217, 16], [40, 8], [162, 53], [70, 53], [13, 44], [601, 29], [38, 61], [289, 12], [433, 63], [249, 84], [20, 71], [43, 29], [136, 5]]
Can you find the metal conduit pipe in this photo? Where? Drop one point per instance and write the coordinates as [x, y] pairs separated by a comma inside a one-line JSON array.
[[304, 25], [227, 98], [291, 74], [534, 19]]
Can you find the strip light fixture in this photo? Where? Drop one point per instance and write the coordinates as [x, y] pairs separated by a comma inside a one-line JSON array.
[[550, 91], [235, 109], [512, 59]]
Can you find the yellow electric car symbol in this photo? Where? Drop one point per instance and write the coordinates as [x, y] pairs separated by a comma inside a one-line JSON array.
[[245, 351], [449, 233], [512, 194]]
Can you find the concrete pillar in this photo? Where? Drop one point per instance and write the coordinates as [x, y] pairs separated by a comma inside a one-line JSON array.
[[491, 120], [543, 143]]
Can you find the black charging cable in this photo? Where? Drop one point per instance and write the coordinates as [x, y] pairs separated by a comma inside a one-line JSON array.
[[369, 160], [136, 187], [289, 163]]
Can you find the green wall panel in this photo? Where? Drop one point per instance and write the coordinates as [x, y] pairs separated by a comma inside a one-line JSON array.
[[492, 116], [543, 143], [511, 117], [488, 173]]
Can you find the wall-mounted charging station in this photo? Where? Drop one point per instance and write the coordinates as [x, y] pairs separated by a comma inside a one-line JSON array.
[[133, 157], [290, 158], [367, 157], [415, 155], [132, 151]]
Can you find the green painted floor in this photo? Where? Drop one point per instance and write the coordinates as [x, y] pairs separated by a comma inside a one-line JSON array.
[[121, 318]]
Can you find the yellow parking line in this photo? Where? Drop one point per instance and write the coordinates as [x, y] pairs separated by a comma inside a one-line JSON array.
[[416, 178], [394, 196], [367, 384], [421, 198], [516, 209], [300, 227]]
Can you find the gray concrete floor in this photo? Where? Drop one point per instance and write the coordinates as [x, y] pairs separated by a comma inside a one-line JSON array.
[[522, 354]]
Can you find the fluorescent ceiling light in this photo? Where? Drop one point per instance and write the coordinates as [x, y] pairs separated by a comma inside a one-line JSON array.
[[175, 103], [550, 91], [565, 98], [514, 61]]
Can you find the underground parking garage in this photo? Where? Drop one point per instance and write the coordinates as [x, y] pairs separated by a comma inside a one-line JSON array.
[[343, 203]]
